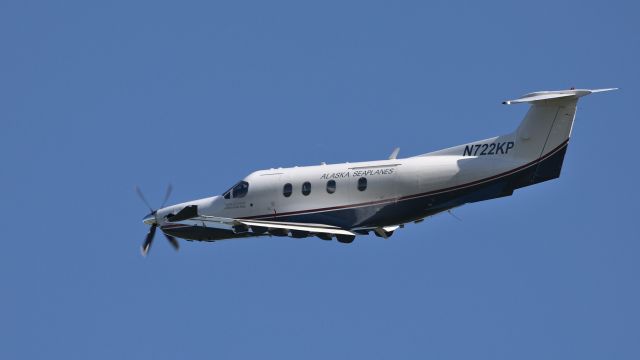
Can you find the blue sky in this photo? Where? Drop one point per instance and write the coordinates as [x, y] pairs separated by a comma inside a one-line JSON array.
[[98, 97]]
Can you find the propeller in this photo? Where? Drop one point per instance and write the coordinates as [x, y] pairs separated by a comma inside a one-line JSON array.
[[152, 220]]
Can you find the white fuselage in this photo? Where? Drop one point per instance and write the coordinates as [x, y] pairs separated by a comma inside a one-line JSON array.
[[387, 182]]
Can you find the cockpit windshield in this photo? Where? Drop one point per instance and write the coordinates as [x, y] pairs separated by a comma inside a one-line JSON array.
[[238, 190]]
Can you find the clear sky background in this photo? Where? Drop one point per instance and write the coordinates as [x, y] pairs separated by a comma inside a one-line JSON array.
[[97, 97]]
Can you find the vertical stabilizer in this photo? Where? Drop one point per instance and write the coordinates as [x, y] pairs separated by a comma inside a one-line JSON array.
[[546, 129], [546, 126]]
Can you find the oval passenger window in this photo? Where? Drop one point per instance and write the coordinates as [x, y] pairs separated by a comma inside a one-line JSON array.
[[331, 186], [287, 189], [362, 184], [306, 188]]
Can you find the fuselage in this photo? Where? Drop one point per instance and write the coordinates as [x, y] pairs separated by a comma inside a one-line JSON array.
[[363, 195], [347, 199]]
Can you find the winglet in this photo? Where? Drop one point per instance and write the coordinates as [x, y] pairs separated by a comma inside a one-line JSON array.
[[394, 154], [548, 95], [603, 90]]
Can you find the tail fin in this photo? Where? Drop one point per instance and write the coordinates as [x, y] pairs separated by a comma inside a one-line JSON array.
[[541, 137], [546, 129], [548, 122], [546, 126]]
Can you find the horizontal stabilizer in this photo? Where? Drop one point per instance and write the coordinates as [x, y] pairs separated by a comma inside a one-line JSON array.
[[549, 95]]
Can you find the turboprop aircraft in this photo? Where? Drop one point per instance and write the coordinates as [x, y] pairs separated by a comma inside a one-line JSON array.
[[344, 200]]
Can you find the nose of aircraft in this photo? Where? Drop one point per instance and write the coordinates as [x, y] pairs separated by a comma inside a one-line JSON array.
[[150, 218]]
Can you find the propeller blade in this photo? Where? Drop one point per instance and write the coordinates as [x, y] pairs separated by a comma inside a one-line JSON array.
[[173, 241], [153, 220], [141, 195], [166, 195], [148, 240]]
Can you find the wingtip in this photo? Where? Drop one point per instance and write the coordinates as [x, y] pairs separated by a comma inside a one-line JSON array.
[[603, 90]]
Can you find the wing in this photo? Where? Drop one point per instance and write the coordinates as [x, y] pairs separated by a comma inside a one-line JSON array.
[[261, 226]]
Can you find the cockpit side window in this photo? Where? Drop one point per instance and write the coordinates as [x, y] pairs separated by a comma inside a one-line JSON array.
[[238, 190]]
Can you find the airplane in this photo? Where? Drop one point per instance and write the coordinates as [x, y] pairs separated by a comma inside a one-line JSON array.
[[345, 200]]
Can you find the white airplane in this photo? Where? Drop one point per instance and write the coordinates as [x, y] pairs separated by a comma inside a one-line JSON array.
[[344, 200]]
